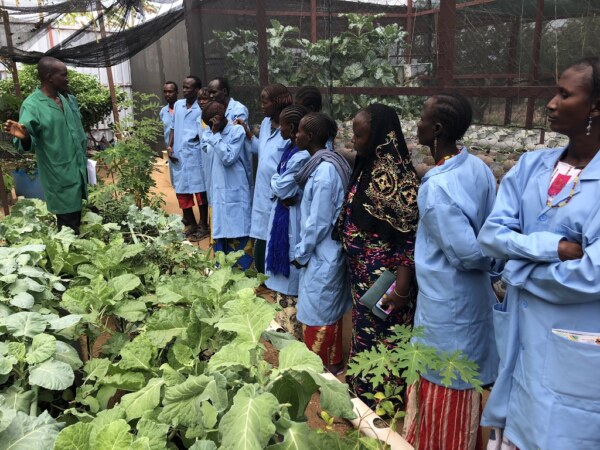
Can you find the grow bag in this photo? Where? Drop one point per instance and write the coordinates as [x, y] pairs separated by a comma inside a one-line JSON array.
[[27, 185]]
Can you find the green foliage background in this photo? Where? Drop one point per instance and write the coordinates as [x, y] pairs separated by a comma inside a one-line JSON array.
[[362, 57], [93, 98]]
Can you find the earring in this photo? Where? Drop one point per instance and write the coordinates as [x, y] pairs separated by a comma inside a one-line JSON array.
[[435, 145], [588, 129]]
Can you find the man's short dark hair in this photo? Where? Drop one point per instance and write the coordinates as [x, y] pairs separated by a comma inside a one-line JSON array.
[[173, 83], [197, 81]]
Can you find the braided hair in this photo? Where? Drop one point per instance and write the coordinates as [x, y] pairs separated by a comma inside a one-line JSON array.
[[280, 96], [454, 112], [292, 115], [594, 63], [320, 125], [309, 96]]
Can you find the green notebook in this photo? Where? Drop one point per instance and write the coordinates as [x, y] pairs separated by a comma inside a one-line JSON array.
[[377, 291]]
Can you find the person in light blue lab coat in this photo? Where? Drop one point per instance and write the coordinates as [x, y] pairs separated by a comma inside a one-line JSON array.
[[324, 292], [284, 223], [170, 92], [546, 224], [228, 190], [455, 300], [269, 147], [218, 91], [186, 160]]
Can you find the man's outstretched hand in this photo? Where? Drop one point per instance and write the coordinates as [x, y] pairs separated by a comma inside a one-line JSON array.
[[15, 129]]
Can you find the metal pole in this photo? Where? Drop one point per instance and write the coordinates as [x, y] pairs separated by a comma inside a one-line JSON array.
[[263, 59], [445, 39], [511, 66], [537, 41], [313, 21], [109, 75], [9, 45], [409, 30]]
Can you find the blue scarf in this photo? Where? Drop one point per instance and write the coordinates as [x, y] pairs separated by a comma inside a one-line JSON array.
[[278, 261]]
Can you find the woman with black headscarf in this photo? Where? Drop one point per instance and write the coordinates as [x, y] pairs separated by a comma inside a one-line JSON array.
[[378, 225]]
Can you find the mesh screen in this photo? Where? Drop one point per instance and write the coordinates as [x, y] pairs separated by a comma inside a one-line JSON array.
[[82, 48], [502, 54]]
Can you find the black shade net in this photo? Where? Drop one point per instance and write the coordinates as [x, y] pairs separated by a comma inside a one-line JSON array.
[[83, 48]]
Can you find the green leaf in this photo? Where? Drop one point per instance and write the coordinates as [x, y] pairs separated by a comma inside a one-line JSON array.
[[155, 432], [17, 350], [6, 364], [23, 300], [27, 433], [296, 437], [182, 402], [17, 399], [248, 317], [166, 324], [129, 381], [74, 437], [95, 369], [42, 348], [170, 375], [231, 355], [104, 396], [203, 445], [25, 324], [296, 356], [67, 354], [296, 391], [131, 310], [146, 399], [105, 418], [53, 375], [114, 436], [138, 354], [123, 284], [141, 443], [248, 425], [335, 398], [65, 322]]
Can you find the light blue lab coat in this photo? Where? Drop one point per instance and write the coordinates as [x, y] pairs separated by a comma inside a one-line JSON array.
[[228, 190], [284, 186], [187, 173], [547, 394], [166, 118], [269, 146], [455, 298], [324, 291], [236, 110]]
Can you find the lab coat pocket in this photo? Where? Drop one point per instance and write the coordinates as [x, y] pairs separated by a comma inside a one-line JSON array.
[[436, 316], [571, 371], [571, 234], [573, 428], [501, 319]]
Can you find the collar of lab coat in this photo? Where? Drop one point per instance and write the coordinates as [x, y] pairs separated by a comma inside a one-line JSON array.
[[448, 164]]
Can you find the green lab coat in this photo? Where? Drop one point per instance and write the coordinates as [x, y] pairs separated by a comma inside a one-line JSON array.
[[59, 142]]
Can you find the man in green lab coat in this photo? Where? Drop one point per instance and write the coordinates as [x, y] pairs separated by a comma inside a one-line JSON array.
[[50, 125]]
